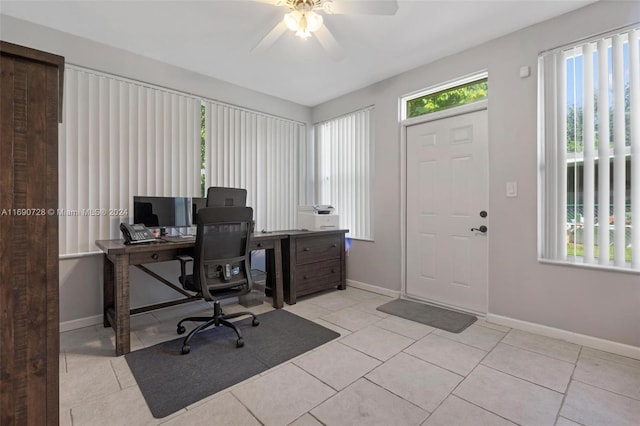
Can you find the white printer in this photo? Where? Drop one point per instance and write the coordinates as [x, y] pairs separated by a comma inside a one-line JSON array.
[[318, 216]]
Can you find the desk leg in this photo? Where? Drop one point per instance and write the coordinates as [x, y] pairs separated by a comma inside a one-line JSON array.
[[122, 315], [278, 289], [290, 271], [108, 301]]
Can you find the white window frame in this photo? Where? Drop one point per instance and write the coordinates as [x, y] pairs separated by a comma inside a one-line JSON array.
[[553, 159], [344, 147], [461, 81], [120, 138], [261, 153]]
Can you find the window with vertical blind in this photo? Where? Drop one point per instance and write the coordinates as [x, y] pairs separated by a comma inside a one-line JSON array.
[[589, 151], [344, 157], [261, 153], [118, 139]]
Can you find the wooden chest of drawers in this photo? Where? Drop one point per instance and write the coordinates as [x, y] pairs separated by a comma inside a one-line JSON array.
[[313, 261]]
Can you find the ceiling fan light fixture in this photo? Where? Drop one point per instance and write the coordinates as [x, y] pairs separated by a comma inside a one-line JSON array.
[[303, 34], [302, 19], [314, 21], [292, 20]]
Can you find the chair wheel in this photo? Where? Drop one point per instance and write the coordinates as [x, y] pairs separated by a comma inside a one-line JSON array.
[[239, 343], [255, 322], [185, 349], [181, 329]]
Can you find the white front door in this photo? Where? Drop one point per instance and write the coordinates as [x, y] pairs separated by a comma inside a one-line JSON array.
[[447, 195]]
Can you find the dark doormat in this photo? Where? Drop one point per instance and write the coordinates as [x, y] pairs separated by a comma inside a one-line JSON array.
[[444, 319], [170, 381]]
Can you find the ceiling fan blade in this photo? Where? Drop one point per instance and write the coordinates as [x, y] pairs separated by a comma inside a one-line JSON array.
[[271, 38], [272, 2], [361, 7], [329, 43]]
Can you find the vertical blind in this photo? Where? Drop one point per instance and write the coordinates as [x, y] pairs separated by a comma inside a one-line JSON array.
[[344, 158], [120, 139], [261, 153], [589, 117]]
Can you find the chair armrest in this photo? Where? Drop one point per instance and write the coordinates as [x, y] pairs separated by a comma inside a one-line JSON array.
[[183, 267]]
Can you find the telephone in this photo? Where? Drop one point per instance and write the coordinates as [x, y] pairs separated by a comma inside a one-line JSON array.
[[137, 233]]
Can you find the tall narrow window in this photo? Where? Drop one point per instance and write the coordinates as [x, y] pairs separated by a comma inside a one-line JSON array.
[[344, 156], [120, 138], [260, 153], [589, 132]]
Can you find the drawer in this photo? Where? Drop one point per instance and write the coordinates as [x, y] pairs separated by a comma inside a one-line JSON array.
[[315, 249], [262, 245], [318, 276], [152, 257]]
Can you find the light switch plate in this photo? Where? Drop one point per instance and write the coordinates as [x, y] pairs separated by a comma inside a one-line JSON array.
[[512, 189]]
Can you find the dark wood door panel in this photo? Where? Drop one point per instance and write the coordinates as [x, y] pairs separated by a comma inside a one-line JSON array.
[[30, 84]]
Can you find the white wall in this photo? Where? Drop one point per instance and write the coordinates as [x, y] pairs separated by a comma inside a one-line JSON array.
[[81, 278], [602, 304], [595, 303], [97, 56]]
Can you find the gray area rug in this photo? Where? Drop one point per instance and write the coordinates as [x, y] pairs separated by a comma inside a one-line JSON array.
[[437, 317], [170, 381]]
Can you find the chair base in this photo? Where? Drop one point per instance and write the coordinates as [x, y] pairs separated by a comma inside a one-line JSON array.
[[218, 319]]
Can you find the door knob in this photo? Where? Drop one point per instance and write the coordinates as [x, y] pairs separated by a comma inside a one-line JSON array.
[[482, 229]]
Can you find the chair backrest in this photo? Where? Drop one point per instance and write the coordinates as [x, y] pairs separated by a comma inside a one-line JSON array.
[[226, 197], [222, 257]]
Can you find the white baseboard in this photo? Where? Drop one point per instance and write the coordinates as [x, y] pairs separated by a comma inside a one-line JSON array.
[[80, 323], [374, 289], [569, 336]]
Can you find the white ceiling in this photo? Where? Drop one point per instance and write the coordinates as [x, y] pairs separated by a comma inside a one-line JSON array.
[[215, 37]]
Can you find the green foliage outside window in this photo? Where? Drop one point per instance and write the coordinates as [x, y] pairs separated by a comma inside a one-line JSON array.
[[575, 123], [449, 98]]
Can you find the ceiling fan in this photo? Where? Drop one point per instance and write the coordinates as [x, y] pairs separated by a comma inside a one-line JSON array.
[[304, 17]]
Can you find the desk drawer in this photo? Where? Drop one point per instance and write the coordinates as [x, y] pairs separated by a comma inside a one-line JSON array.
[[152, 257], [317, 276], [317, 248], [262, 245]]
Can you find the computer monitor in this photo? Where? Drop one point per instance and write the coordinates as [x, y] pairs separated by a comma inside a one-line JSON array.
[[197, 203], [154, 212], [218, 196]]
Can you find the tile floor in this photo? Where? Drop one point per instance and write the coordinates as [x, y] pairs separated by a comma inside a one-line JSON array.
[[383, 370]]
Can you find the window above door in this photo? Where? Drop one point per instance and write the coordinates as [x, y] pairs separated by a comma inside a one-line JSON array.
[[456, 93]]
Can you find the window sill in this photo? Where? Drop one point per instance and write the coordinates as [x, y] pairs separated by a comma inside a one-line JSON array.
[[579, 264]]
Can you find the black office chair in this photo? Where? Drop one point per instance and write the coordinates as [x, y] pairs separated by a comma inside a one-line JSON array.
[[221, 266], [218, 196]]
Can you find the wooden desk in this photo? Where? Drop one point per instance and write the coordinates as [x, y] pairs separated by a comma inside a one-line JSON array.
[[119, 256]]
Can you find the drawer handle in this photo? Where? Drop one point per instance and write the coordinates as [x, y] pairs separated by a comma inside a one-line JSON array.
[[304, 277], [333, 271], [334, 245], [154, 256], [306, 249], [259, 244]]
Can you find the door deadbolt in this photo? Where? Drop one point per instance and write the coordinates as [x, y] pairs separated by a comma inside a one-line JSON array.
[[483, 213], [482, 229]]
